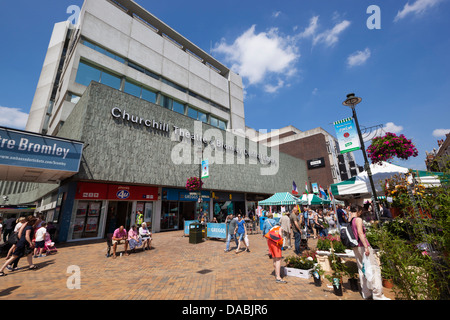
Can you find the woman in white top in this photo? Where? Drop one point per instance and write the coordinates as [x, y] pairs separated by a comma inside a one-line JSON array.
[[146, 236], [20, 222]]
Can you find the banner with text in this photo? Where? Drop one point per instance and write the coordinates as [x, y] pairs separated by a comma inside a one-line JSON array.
[[347, 135]]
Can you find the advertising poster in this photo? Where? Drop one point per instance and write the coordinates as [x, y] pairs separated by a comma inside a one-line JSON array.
[[347, 135], [205, 169]]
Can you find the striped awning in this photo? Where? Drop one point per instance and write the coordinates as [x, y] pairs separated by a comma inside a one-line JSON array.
[[280, 199]]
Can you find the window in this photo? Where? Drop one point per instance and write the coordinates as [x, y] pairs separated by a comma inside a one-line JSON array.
[[166, 102], [102, 51], [178, 107], [214, 122], [148, 95], [132, 89], [86, 74], [192, 113], [222, 125], [72, 97], [110, 80], [202, 117]]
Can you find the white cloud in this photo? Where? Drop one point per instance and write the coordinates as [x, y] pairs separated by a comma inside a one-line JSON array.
[[256, 57], [276, 14], [311, 29], [358, 58], [315, 91], [13, 118], [272, 89], [392, 127], [440, 132], [418, 7], [331, 36]]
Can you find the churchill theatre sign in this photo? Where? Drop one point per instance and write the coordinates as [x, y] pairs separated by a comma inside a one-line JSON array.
[[211, 137]]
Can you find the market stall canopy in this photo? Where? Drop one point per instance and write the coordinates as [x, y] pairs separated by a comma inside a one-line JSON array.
[[360, 184], [280, 199], [312, 199]]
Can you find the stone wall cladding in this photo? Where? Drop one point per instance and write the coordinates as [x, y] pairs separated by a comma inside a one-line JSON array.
[[121, 151]]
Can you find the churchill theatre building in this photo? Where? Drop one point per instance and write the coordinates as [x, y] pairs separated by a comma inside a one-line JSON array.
[[147, 105]]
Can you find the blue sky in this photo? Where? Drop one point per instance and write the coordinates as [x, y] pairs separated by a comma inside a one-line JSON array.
[[298, 59]]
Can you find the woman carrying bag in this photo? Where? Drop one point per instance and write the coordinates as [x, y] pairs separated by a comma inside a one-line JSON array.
[[368, 267]]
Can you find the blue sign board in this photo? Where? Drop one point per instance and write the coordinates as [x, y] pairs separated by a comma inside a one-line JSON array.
[[186, 226], [183, 195], [216, 230], [22, 149]]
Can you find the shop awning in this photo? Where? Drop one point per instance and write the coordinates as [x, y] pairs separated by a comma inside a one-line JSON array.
[[280, 199], [312, 199]]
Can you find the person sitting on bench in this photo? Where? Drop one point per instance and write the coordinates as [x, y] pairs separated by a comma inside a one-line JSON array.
[[120, 236]]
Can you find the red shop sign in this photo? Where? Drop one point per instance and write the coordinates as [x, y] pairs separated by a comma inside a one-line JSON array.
[[91, 191], [126, 192]]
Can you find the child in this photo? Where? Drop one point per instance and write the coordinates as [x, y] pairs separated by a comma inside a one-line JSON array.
[[40, 240]]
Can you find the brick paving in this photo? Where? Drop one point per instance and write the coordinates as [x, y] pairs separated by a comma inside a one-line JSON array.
[[173, 270]]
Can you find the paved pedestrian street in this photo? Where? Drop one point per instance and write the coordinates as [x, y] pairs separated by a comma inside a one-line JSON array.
[[173, 270]]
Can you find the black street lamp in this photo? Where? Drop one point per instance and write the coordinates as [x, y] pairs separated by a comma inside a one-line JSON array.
[[351, 102]]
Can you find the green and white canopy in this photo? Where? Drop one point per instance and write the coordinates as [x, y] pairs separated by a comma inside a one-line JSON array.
[[280, 199], [312, 199], [360, 184]]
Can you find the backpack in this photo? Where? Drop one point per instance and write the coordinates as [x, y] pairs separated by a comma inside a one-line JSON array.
[[348, 238], [274, 235]]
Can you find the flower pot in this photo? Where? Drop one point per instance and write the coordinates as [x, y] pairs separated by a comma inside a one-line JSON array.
[[388, 283], [317, 279], [396, 212], [353, 284], [337, 286]]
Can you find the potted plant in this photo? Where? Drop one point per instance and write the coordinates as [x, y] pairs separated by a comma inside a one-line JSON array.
[[387, 147], [338, 270], [193, 184], [351, 270], [317, 272], [299, 266]]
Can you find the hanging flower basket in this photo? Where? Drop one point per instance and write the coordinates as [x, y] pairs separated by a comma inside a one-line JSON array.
[[193, 184], [387, 147]]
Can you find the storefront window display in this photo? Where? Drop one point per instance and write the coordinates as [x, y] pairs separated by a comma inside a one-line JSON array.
[[169, 215], [87, 219]]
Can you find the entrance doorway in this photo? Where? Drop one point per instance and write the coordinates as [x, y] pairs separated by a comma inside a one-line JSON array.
[[119, 214]]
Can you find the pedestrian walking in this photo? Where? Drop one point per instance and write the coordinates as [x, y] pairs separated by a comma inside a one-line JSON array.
[[319, 223], [274, 249], [296, 221], [39, 242], [285, 224], [231, 222], [240, 232], [8, 228], [24, 246], [374, 287]]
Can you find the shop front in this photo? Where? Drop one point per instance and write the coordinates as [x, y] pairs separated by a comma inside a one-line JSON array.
[[225, 203], [179, 205], [101, 208]]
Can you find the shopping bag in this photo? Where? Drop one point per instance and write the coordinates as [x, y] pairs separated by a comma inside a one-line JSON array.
[[367, 268], [247, 243]]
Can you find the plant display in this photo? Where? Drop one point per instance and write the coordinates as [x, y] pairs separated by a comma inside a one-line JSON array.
[[304, 263], [325, 244], [387, 147], [193, 184]]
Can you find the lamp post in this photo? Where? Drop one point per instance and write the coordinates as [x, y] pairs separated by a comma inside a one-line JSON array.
[[351, 102]]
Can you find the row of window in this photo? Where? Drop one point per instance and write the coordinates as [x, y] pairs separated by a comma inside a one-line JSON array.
[[87, 73], [149, 73]]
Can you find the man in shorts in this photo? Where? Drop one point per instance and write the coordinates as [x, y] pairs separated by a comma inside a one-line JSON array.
[[274, 249], [120, 236]]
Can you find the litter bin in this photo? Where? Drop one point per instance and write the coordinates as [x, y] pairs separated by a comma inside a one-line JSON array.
[[195, 233]]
